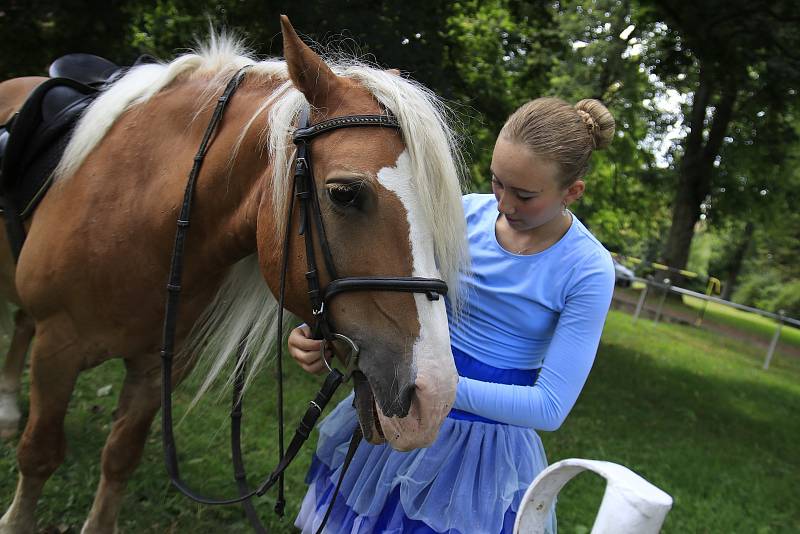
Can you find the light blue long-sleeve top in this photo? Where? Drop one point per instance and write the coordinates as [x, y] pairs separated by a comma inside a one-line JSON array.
[[529, 311]]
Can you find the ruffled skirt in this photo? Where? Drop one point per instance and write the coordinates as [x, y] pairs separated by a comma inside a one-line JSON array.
[[471, 480]]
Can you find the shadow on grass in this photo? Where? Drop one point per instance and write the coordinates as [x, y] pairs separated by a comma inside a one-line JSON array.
[[720, 443], [151, 505], [721, 447]]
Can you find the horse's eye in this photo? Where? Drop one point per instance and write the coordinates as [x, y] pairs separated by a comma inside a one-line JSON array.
[[344, 195]]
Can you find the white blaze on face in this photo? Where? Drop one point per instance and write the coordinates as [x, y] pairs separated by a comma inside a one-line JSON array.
[[433, 361]]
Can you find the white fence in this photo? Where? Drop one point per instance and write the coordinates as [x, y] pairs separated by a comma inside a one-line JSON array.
[[665, 287]]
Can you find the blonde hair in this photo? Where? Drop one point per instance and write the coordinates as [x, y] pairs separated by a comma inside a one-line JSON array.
[[565, 134]]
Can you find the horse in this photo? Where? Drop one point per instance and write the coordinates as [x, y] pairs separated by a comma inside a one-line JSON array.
[[92, 271]]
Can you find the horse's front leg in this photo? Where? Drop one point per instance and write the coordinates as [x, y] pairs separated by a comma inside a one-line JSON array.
[[138, 404]]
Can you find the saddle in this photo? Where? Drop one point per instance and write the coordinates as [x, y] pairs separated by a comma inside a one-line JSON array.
[[33, 141]]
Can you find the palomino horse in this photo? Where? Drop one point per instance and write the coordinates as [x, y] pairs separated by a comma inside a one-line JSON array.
[[93, 269]]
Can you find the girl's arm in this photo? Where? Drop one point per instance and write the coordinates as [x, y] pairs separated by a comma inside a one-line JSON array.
[[570, 355]]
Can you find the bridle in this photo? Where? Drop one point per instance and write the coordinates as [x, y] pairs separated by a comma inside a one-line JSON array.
[[310, 222], [311, 218]]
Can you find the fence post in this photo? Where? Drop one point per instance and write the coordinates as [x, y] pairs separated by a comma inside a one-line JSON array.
[[667, 285], [642, 297], [712, 283], [701, 313], [774, 341]]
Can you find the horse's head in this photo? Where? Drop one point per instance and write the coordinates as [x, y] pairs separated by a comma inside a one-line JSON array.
[[385, 213]]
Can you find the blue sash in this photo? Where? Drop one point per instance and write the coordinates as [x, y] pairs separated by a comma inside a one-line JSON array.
[[469, 367]]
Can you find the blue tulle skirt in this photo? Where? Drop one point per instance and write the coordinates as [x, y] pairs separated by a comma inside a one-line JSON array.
[[471, 480]]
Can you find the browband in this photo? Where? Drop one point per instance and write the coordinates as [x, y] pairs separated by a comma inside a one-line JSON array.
[[350, 121]]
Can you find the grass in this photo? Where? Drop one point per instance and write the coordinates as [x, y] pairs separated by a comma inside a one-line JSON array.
[[745, 321], [152, 506], [691, 412], [749, 326], [695, 415]]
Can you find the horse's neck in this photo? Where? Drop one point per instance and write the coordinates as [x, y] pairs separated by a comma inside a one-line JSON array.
[[231, 192]]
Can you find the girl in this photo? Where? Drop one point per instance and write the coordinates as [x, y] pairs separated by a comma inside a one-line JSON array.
[[537, 298]]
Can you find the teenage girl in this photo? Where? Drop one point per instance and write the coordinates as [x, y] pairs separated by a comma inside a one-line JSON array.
[[536, 300]]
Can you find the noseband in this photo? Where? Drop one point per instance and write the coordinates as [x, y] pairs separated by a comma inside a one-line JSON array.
[[304, 188]]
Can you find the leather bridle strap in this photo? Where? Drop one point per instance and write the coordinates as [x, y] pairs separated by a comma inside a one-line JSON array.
[[311, 218], [355, 440], [431, 287], [174, 289], [305, 191], [315, 408], [306, 132]]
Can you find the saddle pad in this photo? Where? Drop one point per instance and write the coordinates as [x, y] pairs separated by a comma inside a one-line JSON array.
[[37, 140]]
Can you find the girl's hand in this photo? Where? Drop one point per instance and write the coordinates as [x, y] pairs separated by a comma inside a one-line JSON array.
[[306, 351]]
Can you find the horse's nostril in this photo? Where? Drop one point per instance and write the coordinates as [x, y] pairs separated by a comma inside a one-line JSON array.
[[406, 395], [402, 402]]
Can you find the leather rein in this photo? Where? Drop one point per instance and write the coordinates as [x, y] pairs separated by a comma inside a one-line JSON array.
[[305, 194]]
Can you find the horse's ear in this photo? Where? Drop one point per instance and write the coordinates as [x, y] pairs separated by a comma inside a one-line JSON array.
[[306, 69], [394, 72]]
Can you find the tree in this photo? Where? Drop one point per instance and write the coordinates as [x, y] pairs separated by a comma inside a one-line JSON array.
[[500, 53], [36, 35], [721, 52], [625, 204]]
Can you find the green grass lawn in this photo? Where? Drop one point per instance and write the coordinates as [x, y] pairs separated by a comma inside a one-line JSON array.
[[745, 321], [694, 414], [689, 411]]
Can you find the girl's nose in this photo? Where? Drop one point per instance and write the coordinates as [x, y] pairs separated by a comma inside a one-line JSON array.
[[506, 206]]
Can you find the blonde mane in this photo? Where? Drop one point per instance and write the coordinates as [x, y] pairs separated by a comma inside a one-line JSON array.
[[243, 314]]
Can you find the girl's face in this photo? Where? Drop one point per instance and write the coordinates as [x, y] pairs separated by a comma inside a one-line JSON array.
[[526, 187]]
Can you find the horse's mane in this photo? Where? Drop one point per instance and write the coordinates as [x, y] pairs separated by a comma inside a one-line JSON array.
[[244, 309]]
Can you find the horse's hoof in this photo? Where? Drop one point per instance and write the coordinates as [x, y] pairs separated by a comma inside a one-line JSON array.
[[87, 529]]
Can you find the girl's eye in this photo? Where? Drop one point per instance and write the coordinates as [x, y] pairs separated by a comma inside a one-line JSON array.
[[496, 183]]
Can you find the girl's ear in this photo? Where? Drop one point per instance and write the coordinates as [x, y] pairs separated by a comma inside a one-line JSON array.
[[575, 191]]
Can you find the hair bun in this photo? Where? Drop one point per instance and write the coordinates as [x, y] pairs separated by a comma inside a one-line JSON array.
[[598, 120]]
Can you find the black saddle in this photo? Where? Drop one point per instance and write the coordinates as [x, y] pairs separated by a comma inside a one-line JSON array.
[[84, 68], [33, 141]]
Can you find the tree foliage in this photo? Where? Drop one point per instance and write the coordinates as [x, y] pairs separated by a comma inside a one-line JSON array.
[[704, 95], [742, 81]]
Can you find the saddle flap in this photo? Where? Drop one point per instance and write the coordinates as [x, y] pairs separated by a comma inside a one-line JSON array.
[[51, 107]]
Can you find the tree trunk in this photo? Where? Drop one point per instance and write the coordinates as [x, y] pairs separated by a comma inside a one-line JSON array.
[[737, 259], [697, 166]]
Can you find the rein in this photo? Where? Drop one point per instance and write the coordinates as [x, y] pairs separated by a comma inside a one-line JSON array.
[[310, 220]]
